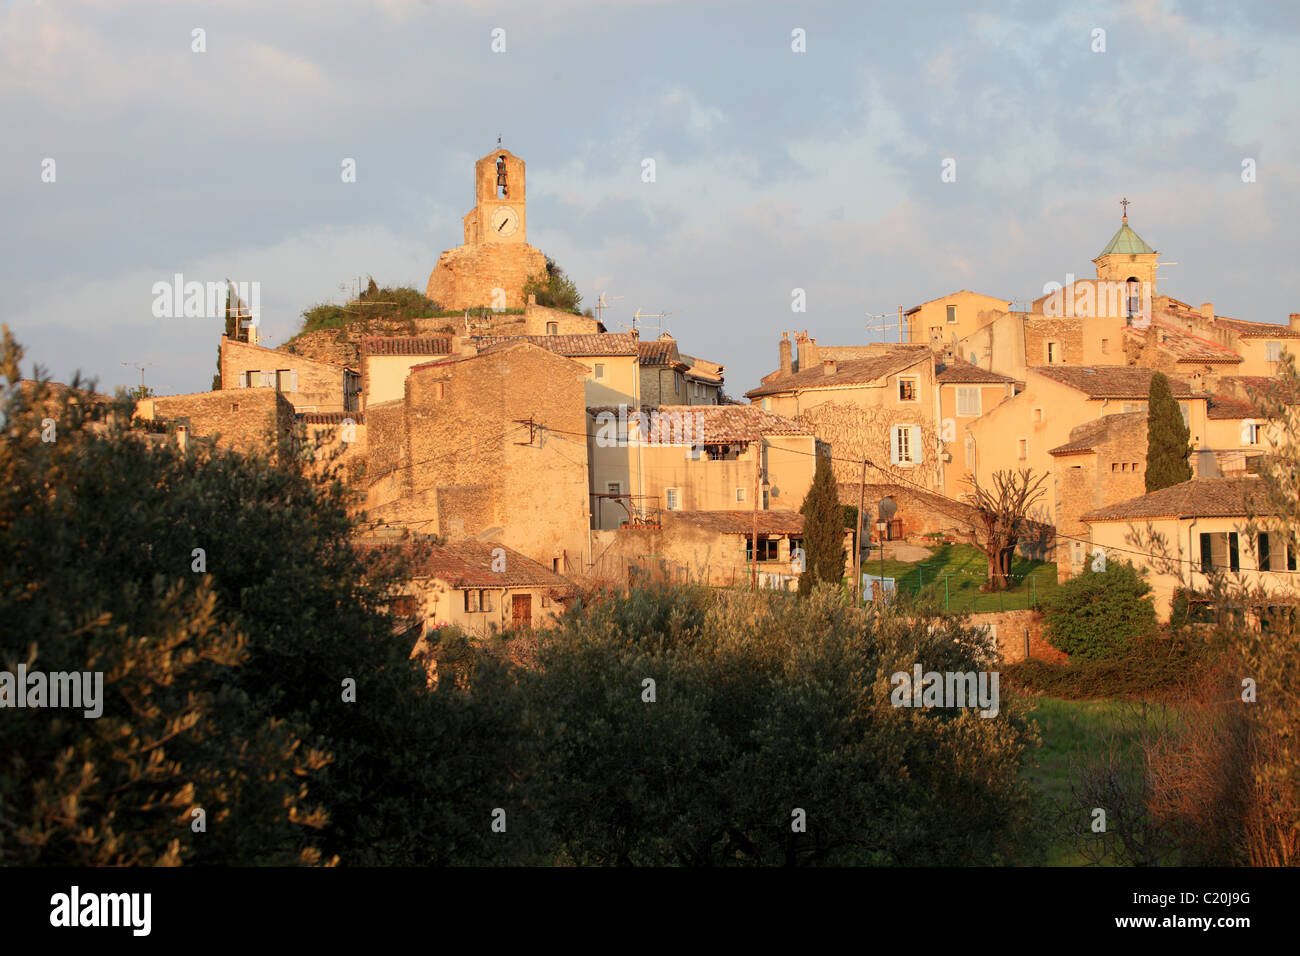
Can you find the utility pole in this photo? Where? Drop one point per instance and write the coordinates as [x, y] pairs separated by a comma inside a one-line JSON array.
[[141, 368], [857, 539]]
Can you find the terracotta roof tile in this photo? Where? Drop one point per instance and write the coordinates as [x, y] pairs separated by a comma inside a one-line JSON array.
[[331, 418], [1261, 386], [406, 345], [1198, 498], [1256, 330], [659, 352], [964, 373], [596, 343], [468, 564], [712, 423], [1221, 407], [1109, 381], [848, 372], [1185, 346]]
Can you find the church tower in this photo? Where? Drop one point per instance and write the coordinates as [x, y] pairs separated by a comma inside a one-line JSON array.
[[1127, 258], [490, 269]]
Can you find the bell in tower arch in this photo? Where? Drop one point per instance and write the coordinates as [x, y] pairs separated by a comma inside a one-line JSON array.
[[502, 188]]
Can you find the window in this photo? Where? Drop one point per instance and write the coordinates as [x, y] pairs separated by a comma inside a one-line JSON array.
[[674, 496], [1219, 551], [1249, 433], [600, 370], [1114, 466], [905, 445], [1105, 346], [1053, 353], [1038, 416], [952, 315], [1262, 550], [471, 602], [614, 488], [485, 601], [740, 494], [252, 378], [968, 401], [555, 565], [907, 390], [768, 549], [970, 452], [677, 385], [552, 328], [234, 406], [1274, 350], [1022, 449], [440, 390], [1077, 555], [286, 380]]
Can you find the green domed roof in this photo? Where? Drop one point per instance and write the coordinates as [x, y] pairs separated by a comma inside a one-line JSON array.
[[1126, 242]]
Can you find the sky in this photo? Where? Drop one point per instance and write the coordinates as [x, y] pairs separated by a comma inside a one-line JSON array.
[[775, 169]]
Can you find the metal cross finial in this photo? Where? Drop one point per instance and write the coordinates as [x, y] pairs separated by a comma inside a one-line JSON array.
[[1124, 202], [498, 140]]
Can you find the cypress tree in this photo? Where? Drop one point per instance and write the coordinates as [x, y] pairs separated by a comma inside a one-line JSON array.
[[1168, 439], [823, 529]]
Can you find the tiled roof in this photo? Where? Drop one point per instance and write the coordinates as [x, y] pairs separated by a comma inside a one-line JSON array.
[[850, 493], [659, 352], [596, 343], [850, 372], [468, 564], [1263, 386], [1126, 242], [1109, 381], [702, 370], [1084, 437], [331, 418], [964, 373], [406, 345], [1185, 346], [741, 522], [1198, 498], [1226, 407], [713, 424], [1256, 330]]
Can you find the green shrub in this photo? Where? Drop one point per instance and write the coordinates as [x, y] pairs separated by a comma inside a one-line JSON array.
[[1096, 614]]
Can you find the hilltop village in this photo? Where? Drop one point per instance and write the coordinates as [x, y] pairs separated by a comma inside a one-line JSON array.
[[547, 453]]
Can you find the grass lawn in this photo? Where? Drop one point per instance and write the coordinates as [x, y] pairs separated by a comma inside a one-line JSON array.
[[964, 569], [1070, 728]]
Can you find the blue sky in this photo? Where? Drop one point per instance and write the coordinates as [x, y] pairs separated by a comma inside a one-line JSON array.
[[775, 170]]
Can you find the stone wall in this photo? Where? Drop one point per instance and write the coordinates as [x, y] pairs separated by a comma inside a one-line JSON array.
[[321, 386], [466, 276], [246, 420], [1010, 635], [454, 459], [1068, 333]]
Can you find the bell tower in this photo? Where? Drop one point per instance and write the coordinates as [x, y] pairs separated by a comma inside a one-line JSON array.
[[500, 213], [492, 267]]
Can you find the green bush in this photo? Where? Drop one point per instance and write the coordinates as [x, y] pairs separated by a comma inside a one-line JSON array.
[[1096, 614]]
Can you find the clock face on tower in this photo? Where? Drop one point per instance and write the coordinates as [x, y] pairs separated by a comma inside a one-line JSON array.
[[504, 222]]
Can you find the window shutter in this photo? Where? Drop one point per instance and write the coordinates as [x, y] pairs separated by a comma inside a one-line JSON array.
[[293, 380], [267, 381], [1207, 554], [916, 444], [1263, 552], [1234, 561], [893, 444]]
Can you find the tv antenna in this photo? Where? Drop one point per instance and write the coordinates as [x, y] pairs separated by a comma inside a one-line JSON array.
[[651, 315], [602, 303], [141, 368]]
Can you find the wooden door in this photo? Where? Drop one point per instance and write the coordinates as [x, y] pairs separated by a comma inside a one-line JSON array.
[[521, 610]]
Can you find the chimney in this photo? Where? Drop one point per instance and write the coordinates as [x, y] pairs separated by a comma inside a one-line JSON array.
[[787, 365], [808, 354], [1295, 322], [829, 367], [182, 437], [1198, 382], [1207, 309]]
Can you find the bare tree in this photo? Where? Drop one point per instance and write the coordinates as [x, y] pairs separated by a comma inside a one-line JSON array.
[[1003, 517]]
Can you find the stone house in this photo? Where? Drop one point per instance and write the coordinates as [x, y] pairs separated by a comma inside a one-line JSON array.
[[492, 444], [678, 458], [966, 392], [244, 420], [948, 319], [1183, 533], [387, 360], [670, 378], [308, 384], [1024, 430], [610, 359]]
